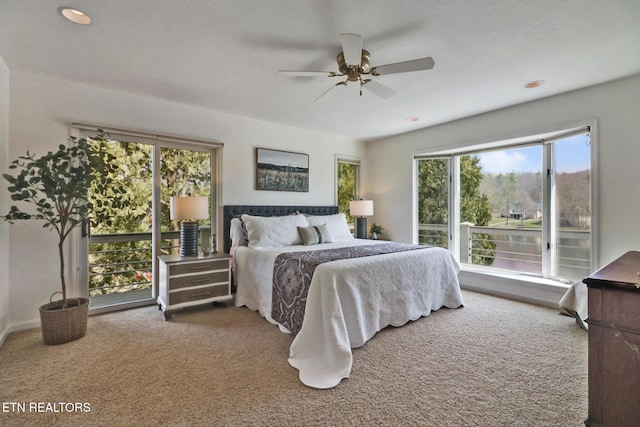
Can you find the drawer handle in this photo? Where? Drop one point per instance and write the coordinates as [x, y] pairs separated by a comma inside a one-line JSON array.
[[201, 294], [204, 280], [199, 267]]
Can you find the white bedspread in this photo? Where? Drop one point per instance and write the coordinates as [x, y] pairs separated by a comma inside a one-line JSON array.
[[350, 300], [575, 303]]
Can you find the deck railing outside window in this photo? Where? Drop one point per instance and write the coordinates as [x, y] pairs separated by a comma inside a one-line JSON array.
[[123, 262], [516, 249]]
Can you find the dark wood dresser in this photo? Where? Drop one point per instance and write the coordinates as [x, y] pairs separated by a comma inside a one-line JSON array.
[[614, 343]]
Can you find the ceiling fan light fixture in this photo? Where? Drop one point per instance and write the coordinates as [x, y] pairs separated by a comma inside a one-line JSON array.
[[353, 63], [363, 67], [534, 83], [74, 15]]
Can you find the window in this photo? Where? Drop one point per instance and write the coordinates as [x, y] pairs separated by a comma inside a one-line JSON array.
[[347, 184], [523, 207], [122, 242], [433, 202]]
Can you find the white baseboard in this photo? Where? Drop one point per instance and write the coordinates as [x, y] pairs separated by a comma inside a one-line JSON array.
[[18, 327], [3, 336], [519, 287]]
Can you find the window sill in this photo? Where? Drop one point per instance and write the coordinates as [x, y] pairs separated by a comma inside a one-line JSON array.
[[513, 285]]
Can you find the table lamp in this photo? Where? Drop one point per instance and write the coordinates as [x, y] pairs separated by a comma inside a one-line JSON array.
[[361, 209], [189, 209]]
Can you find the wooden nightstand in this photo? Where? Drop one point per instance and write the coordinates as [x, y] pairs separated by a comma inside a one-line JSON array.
[[188, 281]]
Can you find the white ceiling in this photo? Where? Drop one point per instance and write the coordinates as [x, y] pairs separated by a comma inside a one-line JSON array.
[[224, 55]]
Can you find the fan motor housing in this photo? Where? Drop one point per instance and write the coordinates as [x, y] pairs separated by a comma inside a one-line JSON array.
[[353, 71]]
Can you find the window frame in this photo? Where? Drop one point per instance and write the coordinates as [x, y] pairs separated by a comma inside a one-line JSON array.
[[339, 158], [548, 167], [79, 260]]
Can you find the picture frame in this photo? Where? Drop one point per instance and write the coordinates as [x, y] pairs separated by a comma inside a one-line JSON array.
[[278, 170]]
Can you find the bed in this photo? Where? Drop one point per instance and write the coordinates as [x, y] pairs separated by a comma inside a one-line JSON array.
[[574, 303], [346, 301]]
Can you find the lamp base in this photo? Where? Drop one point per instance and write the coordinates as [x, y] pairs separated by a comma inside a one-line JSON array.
[[189, 239], [361, 228]]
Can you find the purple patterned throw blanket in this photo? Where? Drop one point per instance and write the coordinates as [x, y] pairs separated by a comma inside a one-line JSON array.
[[292, 273]]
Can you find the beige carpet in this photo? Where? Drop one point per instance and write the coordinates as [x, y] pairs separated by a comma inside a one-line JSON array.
[[494, 362]]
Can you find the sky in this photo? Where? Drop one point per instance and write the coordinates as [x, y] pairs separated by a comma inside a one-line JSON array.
[[572, 155]]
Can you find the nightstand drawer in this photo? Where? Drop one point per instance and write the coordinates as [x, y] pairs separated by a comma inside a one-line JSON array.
[[198, 294], [198, 279], [196, 267]]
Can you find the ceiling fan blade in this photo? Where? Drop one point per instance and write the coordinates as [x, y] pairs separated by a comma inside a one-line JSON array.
[[296, 73], [352, 48], [379, 89], [327, 94], [404, 67]]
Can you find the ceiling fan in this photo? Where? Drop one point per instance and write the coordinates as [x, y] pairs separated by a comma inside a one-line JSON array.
[[353, 62]]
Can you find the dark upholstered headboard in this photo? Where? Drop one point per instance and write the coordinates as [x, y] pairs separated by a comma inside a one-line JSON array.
[[234, 211]]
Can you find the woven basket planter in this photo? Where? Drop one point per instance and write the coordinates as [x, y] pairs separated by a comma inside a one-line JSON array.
[[63, 325]]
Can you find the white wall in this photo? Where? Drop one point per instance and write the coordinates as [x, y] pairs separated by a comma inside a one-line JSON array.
[[616, 107], [4, 201], [42, 109]]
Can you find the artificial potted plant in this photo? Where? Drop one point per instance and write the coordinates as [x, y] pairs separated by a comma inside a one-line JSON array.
[[56, 185], [376, 230]]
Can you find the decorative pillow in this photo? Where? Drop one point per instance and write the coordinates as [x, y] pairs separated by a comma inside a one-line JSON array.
[[336, 224], [238, 233], [314, 234], [273, 231]]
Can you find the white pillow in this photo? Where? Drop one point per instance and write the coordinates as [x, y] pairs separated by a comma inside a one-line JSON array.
[[238, 233], [273, 231], [337, 225]]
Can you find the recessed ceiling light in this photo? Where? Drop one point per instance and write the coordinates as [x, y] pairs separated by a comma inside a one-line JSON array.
[[534, 83], [412, 119], [75, 15]]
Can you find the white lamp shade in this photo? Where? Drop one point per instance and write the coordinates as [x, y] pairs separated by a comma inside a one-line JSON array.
[[361, 207], [189, 207]]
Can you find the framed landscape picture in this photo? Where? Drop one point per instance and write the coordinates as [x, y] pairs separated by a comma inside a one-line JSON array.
[[281, 170]]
